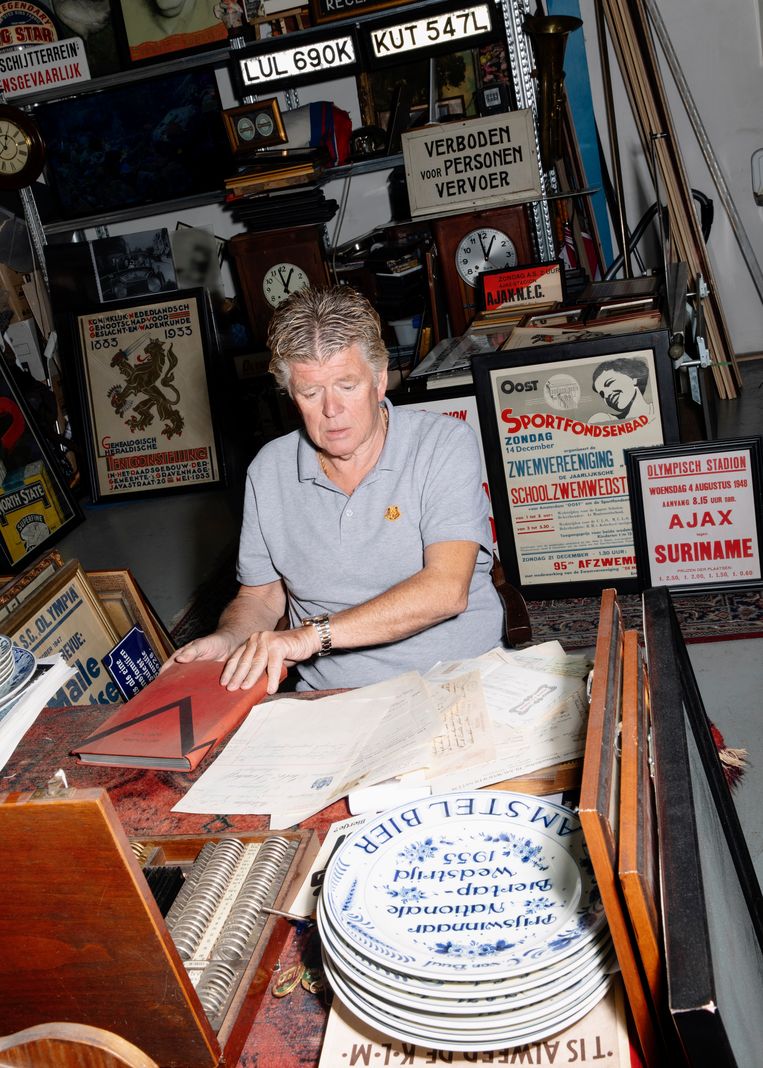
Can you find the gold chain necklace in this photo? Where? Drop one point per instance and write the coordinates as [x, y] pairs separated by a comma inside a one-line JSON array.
[[322, 458]]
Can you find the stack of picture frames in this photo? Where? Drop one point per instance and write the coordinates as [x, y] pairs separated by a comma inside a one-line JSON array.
[[100, 622], [677, 882]]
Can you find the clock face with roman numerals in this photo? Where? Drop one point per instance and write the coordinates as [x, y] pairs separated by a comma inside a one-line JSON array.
[[21, 148]]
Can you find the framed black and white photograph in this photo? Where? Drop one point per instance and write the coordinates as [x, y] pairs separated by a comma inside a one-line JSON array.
[[154, 31], [556, 423], [133, 265], [696, 513], [145, 370]]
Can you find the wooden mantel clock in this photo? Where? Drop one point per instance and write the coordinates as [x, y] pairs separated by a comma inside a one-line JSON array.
[[477, 241], [273, 264]]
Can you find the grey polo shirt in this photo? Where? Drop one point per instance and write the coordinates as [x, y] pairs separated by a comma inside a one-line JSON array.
[[335, 551]]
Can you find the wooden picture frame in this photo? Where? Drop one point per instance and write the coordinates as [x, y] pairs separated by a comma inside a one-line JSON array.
[[16, 590], [65, 616], [555, 451], [127, 606], [145, 372], [148, 38], [36, 507], [698, 514], [638, 859], [599, 811], [253, 126], [712, 905]]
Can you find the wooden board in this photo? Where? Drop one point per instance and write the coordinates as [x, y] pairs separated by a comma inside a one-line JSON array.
[[83, 940]]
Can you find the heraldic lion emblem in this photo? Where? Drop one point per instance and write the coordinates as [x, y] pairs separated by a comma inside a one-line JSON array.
[[152, 374]]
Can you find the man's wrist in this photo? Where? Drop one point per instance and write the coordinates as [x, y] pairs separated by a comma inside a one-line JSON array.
[[322, 628]]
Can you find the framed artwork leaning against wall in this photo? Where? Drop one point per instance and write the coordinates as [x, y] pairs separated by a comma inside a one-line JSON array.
[[556, 422], [145, 371]]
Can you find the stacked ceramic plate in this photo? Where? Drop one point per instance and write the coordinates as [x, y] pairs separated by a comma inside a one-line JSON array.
[[17, 668], [468, 921]]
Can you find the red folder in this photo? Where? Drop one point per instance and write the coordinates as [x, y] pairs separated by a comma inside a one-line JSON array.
[[174, 721]]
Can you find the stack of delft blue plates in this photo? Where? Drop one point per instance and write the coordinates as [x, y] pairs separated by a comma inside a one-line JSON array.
[[17, 668], [468, 921]]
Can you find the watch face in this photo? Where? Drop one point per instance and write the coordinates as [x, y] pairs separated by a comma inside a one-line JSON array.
[[281, 280], [486, 249], [245, 128], [264, 123], [14, 148]]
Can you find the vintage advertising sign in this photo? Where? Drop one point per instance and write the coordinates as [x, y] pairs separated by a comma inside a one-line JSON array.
[[276, 64], [25, 24], [394, 40], [696, 514], [521, 287], [557, 431], [35, 67], [147, 399], [472, 164], [328, 10]]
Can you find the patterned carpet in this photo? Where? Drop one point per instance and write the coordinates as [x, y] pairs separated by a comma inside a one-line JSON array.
[[573, 621]]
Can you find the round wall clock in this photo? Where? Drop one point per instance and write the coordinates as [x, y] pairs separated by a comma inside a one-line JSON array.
[[272, 264], [484, 249], [22, 150], [477, 241], [281, 280]]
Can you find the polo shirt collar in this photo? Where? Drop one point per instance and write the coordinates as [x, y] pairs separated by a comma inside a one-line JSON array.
[[393, 455]]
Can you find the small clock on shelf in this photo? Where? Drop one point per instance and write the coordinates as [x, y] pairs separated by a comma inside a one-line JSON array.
[[22, 149], [257, 125], [473, 242], [273, 264]]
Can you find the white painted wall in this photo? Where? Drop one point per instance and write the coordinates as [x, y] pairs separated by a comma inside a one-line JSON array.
[[719, 50]]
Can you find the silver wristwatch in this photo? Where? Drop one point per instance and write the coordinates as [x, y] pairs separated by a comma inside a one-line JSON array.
[[322, 625]]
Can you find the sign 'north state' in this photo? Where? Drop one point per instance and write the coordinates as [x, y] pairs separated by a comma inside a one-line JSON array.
[[472, 164]]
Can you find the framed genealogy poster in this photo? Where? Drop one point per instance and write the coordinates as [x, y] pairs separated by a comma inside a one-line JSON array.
[[556, 423], [697, 514], [146, 399]]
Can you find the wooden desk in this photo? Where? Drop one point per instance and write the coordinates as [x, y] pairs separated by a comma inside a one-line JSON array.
[[288, 1031]]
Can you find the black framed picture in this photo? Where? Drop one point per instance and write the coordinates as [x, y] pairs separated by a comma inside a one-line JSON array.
[[36, 507], [556, 423], [146, 392], [712, 905], [696, 513]]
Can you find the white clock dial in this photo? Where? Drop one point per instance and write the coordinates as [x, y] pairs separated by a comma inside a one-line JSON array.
[[245, 127], [14, 148], [486, 249], [264, 123], [281, 280]]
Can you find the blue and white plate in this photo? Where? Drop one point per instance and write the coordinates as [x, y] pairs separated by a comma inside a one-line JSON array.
[[24, 664], [446, 1038], [465, 886]]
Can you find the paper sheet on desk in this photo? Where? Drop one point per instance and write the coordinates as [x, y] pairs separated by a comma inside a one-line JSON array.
[[291, 758], [538, 712]]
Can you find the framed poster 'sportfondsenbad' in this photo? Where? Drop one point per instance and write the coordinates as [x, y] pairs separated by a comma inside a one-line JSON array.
[[556, 422]]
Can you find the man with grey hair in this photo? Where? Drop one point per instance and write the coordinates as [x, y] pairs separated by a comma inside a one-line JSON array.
[[369, 526]]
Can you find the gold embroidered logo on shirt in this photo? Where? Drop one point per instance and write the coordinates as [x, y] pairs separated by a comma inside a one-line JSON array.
[[392, 513]]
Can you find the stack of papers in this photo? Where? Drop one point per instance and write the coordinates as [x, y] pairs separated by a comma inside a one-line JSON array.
[[17, 716], [466, 724]]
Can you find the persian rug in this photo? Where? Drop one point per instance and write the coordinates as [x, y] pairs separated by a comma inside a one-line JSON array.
[[573, 621]]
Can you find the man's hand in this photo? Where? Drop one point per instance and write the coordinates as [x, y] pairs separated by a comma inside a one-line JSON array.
[[217, 646], [268, 650]]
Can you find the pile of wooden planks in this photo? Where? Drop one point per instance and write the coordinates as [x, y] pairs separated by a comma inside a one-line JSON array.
[[631, 37]]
